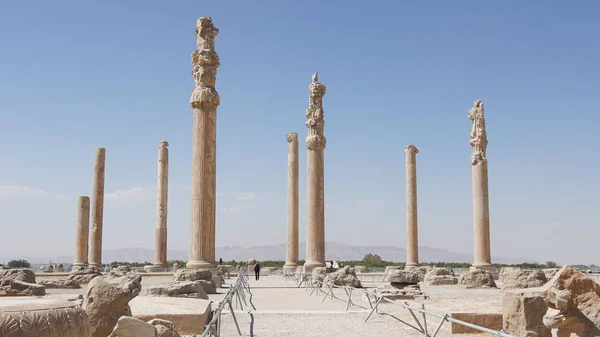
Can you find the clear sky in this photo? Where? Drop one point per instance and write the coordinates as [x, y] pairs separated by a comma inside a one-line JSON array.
[[75, 75]]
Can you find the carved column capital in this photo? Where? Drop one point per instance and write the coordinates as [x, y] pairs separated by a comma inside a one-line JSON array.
[[411, 149], [205, 61], [163, 145], [316, 142], [314, 115], [478, 134], [292, 136]]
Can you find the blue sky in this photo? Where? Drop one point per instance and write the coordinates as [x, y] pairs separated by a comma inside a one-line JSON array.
[[116, 74]]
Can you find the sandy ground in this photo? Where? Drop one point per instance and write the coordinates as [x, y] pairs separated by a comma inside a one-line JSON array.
[[283, 310]]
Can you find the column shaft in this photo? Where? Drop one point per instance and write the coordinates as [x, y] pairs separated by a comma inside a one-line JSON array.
[[95, 251], [292, 204], [82, 234], [204, 100], [162, 193], [412, 231]]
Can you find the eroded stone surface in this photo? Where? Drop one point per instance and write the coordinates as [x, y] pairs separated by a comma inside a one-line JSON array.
[[403, 276], [84, 275], [179, 289], [60, 284], [440, 276], [477, 279], [20, 288], [24, 275], [106, 300], [133, 327], [515, 278], [343, 277], [164, 328], [523, 311]]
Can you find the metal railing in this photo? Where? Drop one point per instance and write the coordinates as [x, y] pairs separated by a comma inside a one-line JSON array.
[[237, 292], [374, 299]]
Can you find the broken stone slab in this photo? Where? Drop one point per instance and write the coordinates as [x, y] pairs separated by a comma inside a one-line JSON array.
[[133, 327], [24, 275], [36, 317], [61, 284], [179, 289], [523, 311], [192, 275], [573, 300], [164, 328], [402, 291], [403, 276], [189, 315], [477, 279], [106, 300], [440, 276], [20, 288], [515, 278], [550, 272]]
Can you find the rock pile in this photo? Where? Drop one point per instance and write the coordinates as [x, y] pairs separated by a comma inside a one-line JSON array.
[[19, 282], [477, 279], [440, 276], [84, 275], [343, 277], [201, 276], [403, 285], [61, 284]]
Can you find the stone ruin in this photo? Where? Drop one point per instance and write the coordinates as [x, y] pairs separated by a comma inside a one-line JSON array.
[[19, 282], [440, 276], [515, 278], [342, 277], [404, 285], [477, 278], [195, 283]]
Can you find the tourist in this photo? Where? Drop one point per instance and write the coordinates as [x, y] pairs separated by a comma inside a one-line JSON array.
[[257, 270]]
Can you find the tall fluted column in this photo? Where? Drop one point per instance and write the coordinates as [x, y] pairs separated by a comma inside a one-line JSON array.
[[162, 192], [204, 100], [481, 206], [412, 229], [95, 251], [291, 257], [81, 237], [315, 193]]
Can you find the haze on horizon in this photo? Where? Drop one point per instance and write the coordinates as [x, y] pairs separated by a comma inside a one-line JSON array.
[[76, 76]]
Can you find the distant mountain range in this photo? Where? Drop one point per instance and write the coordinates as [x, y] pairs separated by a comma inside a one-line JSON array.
[[334, 251]]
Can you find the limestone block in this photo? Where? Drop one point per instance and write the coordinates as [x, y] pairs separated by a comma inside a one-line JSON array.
[[133, 327], [24, 275], [84, 275], [189, 315], [477, 279], [550, 272], [343, 277], [164, 328], [403, 276], [36, 317], [192, 275], [440, 276], [523, 311], [486, 320], [20, 288], [179, 289], [106, 300], [520, 279]]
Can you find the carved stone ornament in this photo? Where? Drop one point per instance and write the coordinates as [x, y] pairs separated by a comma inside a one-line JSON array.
[[292, 137], [315, 114], [411, 148], [478, 134], [205, 61], [41, 317]]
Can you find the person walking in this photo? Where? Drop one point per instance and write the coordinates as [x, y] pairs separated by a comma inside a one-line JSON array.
[[257, 270]]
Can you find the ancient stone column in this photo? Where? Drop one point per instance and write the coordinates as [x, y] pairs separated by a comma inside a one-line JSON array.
[[95, 252], [291, 260], [204, 100], [412, 231], [315, 193], [81, 237], [162, 192], [481, 207]]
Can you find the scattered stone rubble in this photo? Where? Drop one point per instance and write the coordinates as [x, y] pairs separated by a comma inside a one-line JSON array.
[[202, 277], [164, 328], [84, 275], [61, 284], [19, 282], [178, 289], [133, 327], [440, 276], [477, 279]]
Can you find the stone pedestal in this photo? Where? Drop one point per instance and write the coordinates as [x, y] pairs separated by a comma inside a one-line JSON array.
[[162, 192], [315, 193], [481, 209], [412, 233], [95, 251], [291, 261], [43, 317], [204, 100], [81, 237]]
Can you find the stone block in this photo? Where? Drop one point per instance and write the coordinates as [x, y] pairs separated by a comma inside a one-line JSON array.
[[491, 321], [523, 311], [189, 315]]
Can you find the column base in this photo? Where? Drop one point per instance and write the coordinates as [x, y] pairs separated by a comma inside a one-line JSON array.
[[93, 264], [410, 266], [201, 265], [290, 268], [483, 266], [310, 265]]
